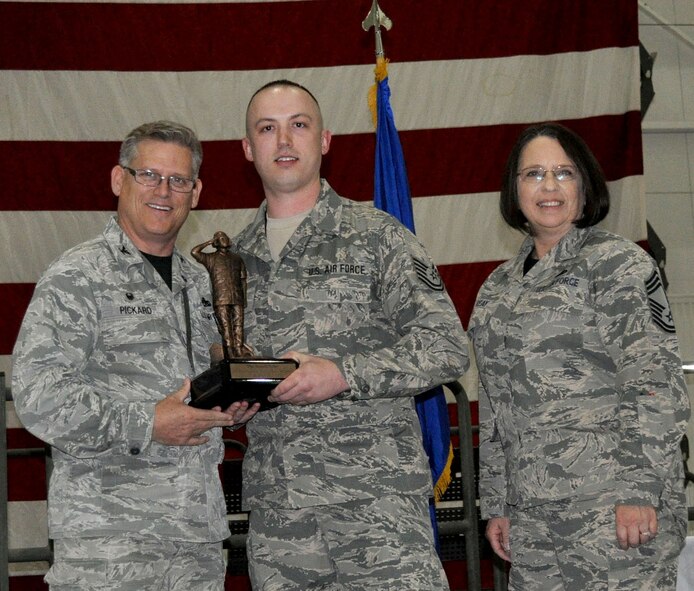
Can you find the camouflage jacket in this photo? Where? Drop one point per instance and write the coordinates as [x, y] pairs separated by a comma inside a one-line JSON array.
[[354, 286], [582, 387], [102, 341]]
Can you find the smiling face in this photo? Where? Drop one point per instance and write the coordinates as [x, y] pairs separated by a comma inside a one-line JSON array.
[[551, 207], [152, 216], [286, 142]]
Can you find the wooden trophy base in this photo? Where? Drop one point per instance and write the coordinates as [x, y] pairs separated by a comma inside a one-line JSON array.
[[244, 378]]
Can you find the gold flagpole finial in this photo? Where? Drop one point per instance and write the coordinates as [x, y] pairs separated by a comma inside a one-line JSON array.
[[377, 19]]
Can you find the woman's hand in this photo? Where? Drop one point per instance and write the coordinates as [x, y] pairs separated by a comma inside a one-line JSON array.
[[498, 535], [635, 524]]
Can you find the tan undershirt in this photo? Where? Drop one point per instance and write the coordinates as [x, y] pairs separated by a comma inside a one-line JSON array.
[[280, 230]]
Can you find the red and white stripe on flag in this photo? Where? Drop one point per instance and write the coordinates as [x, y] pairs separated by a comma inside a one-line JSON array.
[[466, 78]]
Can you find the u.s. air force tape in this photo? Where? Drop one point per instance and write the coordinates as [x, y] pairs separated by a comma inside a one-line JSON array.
[[428, 274], [657, 301]]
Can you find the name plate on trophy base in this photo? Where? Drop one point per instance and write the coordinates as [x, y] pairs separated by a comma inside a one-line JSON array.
[[246, 378]]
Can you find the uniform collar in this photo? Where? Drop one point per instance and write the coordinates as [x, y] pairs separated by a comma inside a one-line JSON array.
[[571, 243], [567, 248], [128, 255], [120, 245], [326, 215], [324, 219]]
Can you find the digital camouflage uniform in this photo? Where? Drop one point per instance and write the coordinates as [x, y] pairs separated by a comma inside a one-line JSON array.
[[582, 400], [103, 340], [354, 286]]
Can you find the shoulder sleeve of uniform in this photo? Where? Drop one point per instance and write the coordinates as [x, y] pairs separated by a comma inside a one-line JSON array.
[[431, 345], [636, 328]]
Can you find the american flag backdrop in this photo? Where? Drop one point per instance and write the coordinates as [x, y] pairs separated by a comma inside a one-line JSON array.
[[466, 77]]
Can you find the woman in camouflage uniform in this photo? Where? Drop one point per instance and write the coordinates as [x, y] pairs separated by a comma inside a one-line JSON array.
[[582, 401]]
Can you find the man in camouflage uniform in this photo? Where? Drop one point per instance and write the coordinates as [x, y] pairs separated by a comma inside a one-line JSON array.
[[336, 478], [115, 324]]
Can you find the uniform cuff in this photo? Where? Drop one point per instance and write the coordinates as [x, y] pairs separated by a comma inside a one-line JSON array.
[[140, 422]]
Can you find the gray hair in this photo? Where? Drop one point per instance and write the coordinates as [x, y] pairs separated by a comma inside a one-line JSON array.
[[163, 131]]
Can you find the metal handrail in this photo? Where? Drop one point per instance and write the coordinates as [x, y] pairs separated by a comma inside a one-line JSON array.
[[466, 430], [9, 555], [467, 473], [4, 542]]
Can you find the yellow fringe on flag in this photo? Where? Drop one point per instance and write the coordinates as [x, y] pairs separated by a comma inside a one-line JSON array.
[[381, 71], [445, 478]]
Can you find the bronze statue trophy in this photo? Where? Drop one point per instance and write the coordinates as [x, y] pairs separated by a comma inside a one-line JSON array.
[[239, 375]]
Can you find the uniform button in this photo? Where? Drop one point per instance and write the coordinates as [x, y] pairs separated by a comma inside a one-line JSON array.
[[134, 451], [365, 388]]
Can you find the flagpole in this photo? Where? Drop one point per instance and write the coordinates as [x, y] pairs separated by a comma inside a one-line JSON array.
[[392, 194]]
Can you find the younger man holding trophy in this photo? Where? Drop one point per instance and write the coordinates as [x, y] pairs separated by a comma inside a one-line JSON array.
[[335, 477]]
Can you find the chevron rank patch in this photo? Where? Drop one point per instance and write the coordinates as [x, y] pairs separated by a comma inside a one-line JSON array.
[[428, 274], [657, 301]]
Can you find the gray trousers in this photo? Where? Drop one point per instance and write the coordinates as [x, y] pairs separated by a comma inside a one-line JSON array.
[[571, 545], [133, 563], [384, 544]]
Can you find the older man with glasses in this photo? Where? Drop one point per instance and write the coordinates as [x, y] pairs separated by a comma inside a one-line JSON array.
[[114, 325]]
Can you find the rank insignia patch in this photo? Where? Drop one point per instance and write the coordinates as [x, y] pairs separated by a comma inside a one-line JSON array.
[[657, 300], [428, 274]]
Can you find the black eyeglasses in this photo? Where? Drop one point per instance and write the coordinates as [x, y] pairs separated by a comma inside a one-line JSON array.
[[149, 178]]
